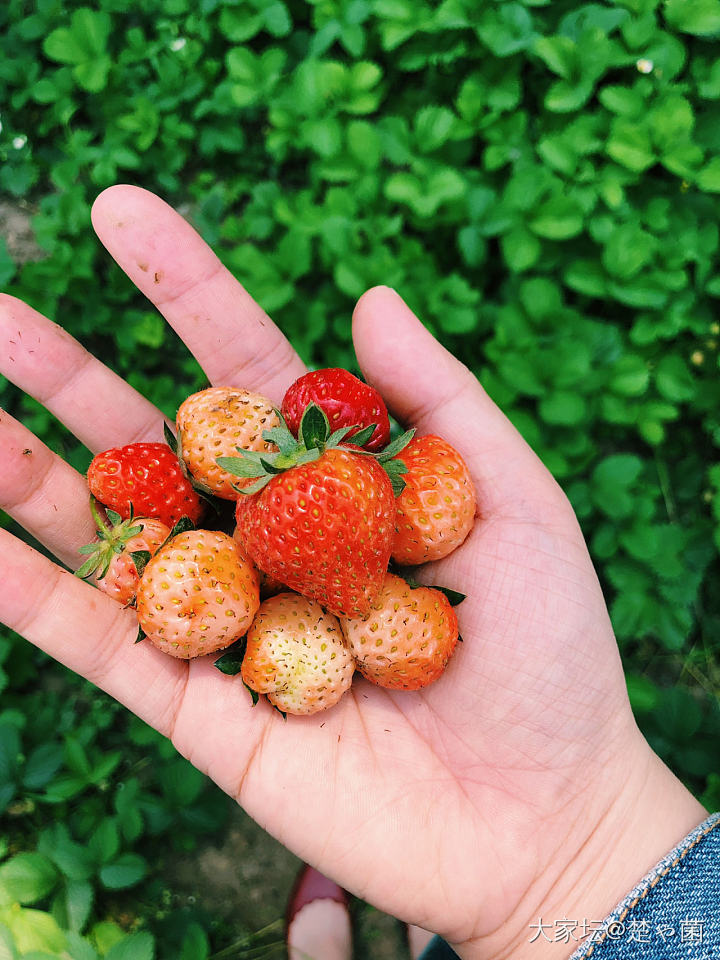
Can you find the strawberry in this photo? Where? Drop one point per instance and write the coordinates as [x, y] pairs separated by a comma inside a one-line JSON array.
[[345, 400], [268, 585], [214, 423], [408, 638], [144, 479], [324, 528], [197, 595], [296, 655], [320, 515], [111, 557], [436, 510]]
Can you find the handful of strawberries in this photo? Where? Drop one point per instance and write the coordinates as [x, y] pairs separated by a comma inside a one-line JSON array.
[[299, 590]]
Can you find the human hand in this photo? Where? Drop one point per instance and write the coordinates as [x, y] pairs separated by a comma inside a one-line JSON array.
[[516, 786]]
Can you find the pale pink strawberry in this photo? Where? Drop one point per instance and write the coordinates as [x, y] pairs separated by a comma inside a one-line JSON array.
[[408, 638], [197, 594], [109, 559], [121, 580], [214, 423], [297, 656]]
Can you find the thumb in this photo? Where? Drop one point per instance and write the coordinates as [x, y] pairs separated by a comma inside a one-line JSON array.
[[425, 386]]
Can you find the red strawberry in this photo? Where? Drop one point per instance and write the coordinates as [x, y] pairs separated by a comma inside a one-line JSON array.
[[436, 510], [408, 638], [320, 515], [345, 400], [214, 423], [110, 558], [296, 655], [324, 528], [197, 594], [268, 585], [145, 479]]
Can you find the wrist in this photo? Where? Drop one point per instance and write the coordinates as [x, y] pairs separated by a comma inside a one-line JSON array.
[[625, 822]]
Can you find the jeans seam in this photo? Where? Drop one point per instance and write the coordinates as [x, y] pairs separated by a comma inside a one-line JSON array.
[[653, 883]]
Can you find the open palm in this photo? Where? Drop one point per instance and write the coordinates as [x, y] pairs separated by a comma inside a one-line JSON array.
[[459, 807]]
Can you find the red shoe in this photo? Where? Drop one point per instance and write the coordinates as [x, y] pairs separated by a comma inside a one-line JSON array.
[[317, 922]]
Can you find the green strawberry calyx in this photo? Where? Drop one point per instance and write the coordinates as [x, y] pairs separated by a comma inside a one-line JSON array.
[[314, 438], [113, 537]]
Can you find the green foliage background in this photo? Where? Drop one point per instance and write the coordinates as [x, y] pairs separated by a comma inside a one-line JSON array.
[[540, 181]]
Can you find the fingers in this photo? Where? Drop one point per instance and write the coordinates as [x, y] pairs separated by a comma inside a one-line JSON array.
[[232, 338], [89, 633], [43, 493], [94, 403], [428, 388]]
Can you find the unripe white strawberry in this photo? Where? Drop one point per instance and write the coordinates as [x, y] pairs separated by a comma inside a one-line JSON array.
[[297, 656]]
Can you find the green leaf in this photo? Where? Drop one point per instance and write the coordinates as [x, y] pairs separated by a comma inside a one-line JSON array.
[[27, 878], [134, 946], [674, 380], [395, 470], [520, 248], [628, 250], [195, 943], [699, 17], [395, 446], [630, 376], [506, 29], [708, 179], [282, 439], [643, 693], [559, 54], [361, 437], [433, 126], [35, 930], [558, 218], [125, 871], [104, 843], [629, 144], [314, 427], [563, 408], [42, 765], [243, 466], [231, 660], [170, 438], [140, 558]]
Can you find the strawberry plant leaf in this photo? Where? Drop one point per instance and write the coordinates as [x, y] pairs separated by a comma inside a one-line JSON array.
[[338, 435], [182, 526], [314, 427], [360, 438], [230, 663], [141, 559], [282, 438], [395, 469], [90, 566], [240, 467], [395, 446], [454, 596], [170, 438], [269, 467], [253, 487]]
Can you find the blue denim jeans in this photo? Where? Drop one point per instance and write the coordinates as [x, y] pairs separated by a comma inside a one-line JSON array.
[[672, 914]]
